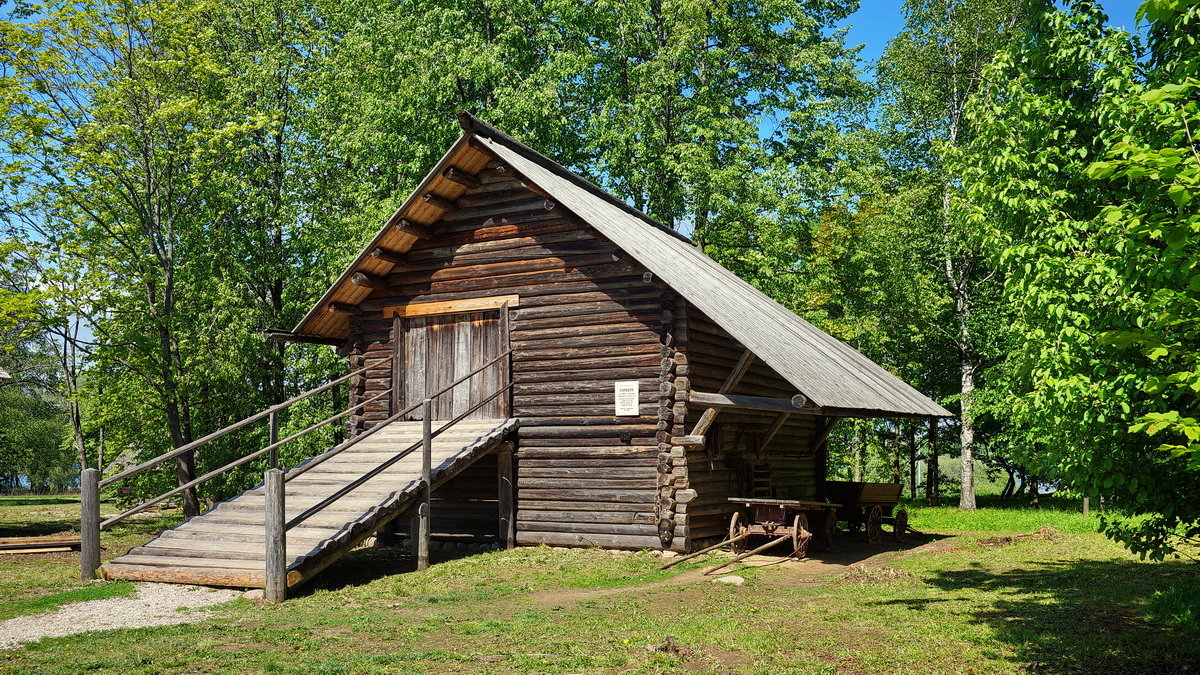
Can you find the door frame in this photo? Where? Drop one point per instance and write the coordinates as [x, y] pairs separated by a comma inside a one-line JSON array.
[[401, 313]]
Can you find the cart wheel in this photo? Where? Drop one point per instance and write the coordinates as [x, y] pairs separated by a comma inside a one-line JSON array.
[[829, 530], [736, 528], [900, 524], [874, 524], [800, 535]]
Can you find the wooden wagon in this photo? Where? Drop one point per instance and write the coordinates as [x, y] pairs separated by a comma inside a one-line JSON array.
[[781, 518], [869, 506]]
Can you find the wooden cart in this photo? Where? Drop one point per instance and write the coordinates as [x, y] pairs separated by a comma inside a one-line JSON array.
[[781, 518], [869, 504]]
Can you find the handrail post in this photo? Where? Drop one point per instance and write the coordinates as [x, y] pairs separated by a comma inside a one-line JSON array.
[[89, 523], [275, 575], [426, 486], [274, 438]]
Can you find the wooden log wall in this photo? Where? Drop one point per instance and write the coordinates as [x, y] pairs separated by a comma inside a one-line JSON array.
[[587, 318], [371, 340], [734, 462], [465, 508]]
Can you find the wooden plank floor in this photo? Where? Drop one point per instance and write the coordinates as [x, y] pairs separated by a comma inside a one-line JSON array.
[[226, 545]]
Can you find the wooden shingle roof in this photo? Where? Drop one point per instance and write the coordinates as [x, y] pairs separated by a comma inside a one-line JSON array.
[[828, 372]]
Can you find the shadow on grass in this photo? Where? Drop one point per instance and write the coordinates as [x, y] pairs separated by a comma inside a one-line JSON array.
[[365, 565], [40, 528], [1086, 616], [1051, 502], [37, 501]]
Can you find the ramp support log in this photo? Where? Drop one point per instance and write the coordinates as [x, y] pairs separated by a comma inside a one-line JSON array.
[[508, 529], [89, 524], [276, 538], [426, 482]]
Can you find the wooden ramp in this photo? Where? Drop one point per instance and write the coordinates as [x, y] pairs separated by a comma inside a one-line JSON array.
[[226, 546]]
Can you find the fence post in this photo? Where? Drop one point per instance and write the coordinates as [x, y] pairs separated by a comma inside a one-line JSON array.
[[426, 485], [275, 581], [89, 523], [274, 438]]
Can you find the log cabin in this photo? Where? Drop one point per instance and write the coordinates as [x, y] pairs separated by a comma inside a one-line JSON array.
[[599, 381], [502, 247]]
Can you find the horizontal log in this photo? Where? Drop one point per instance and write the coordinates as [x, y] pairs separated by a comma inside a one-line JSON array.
[[586, 528], [461, 177], [521, 333], [584, 364], [646, 410], [600, 338], [647, 463], [534, 470], [524, 226], [518, 281], [366, 280], [406, 226], [387, 256], [584, 384], [439, 202], [519, 206], [581, 354], [650, 318], [410, 275], [567, 508], [591, 452], [648, 483], [529, 295], [577, 441], [626, 496], [438, 251], [640, 304], [646, 516], [714, 400], [496, 193], [565, 422], [626, 542]]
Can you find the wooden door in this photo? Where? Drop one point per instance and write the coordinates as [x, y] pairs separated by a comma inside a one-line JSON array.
[[441, 349]]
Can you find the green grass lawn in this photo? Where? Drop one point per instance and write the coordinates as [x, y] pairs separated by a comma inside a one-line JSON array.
[[979, 594]]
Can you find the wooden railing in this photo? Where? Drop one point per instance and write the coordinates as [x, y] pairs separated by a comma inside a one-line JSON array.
[[275, 581], [91, 484]]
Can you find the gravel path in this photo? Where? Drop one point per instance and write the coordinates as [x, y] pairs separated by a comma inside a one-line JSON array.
[[153, 605]]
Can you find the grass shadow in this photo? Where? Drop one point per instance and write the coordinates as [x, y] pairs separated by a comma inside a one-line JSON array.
[[372, 563], [37, 501], [1077, 616]]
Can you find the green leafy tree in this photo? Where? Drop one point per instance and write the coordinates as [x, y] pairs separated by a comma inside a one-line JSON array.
[[1082, 184]]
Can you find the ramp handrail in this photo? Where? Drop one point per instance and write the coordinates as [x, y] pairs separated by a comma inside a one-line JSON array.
[[276, 525], [90, 483]]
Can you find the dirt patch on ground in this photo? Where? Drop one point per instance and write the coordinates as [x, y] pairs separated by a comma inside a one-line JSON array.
[[154, 605], [1044, 533], [863, 575]]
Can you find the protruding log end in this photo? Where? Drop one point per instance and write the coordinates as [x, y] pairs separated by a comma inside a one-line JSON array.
[[387, 256], [439, 202], [461, 177], [799, 400], [368, 281], [465, 120], [341, 308], [408, 227]]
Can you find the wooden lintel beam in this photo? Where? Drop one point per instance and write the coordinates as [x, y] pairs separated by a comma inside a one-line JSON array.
[[461, 177], [407, 226], [787, 405], [341, 308], [439, 202], [368, 281], [387, 256]]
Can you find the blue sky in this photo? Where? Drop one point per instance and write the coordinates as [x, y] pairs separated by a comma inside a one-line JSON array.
[[877, 21]]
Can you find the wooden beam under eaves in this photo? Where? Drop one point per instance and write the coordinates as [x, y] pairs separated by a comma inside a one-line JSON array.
[[366, 280]]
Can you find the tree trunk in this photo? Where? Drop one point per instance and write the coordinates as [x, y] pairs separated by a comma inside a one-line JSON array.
[[931, 465], [912, 461], [856, 453], [1033, 492]]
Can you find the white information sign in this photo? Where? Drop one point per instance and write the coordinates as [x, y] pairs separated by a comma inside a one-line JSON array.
[[626, 395]]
